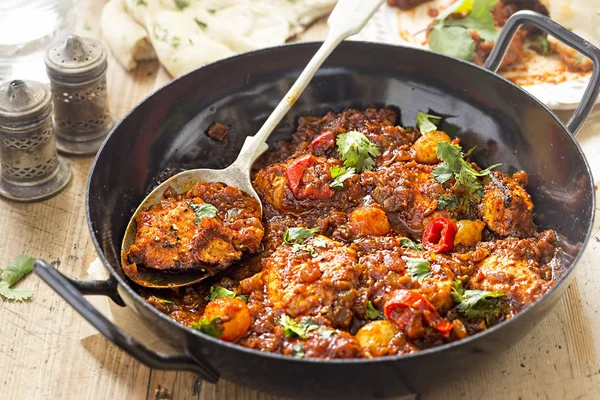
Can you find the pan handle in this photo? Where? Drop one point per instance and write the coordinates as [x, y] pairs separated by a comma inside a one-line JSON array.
[[69, 290], [564, 35]]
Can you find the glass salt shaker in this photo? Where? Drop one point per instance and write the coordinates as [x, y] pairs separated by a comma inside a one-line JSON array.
[[77, 72], [30, 168]]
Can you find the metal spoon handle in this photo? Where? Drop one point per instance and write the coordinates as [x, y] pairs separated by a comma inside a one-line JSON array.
[[347, 19]]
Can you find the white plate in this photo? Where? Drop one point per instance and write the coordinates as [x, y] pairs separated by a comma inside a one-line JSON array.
[[384, 28]]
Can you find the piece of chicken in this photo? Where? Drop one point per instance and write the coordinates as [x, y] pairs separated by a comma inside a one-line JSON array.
[[318, 279], [172, 237], [506, 207], [516, 267]]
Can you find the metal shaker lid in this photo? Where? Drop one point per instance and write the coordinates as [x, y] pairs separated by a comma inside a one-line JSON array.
[[76, 60], [23, 102]]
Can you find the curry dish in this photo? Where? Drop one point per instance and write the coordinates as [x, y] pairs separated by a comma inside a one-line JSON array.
[[375, 240]]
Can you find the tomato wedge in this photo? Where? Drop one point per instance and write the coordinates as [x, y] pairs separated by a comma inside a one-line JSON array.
[[439, 235], [324, 142], [407, 299]]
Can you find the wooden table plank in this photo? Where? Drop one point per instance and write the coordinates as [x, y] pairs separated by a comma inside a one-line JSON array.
[[42, 356]]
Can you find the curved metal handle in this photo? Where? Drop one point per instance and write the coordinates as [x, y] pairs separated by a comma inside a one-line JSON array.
[[567, 37], [68, 290]]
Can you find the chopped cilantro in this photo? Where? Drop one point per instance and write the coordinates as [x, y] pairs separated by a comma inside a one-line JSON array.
[[200, 23], [164, 301], [320, 242], [297, 235], [219, 292], [418, 268], [452, 41], [327, 333], [293, 328], [409, 244], [373, 313], [339, 175], [204, 210], [357, 151], [213, 327], [447, 202], [160, 33], [12, 274], [426, 122], [476, 304], [181, 4], [175, 41], [141, 3]]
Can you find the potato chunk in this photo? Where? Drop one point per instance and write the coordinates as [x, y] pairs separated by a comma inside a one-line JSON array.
[[369, 220], [376, 336], [426, 147], [468, 233]]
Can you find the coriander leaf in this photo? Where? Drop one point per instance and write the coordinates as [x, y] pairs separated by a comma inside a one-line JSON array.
[[294, 328], [181, 4], [320, 242], [453, 41], [175, 41], [447, 202], [141, 3], [475, 304], [480, 19], [200, 23], [214, 327], [16, 270], [160, 33], [296, 248], [327, 333], [426, 122], [298, 234], [418, 268], [409, 244], [461, 6], [339, 175], [298, 350], [164, 301], [373, 313], [219, 292], [539, 44], [204, 210], [356, 150], [17, 294]]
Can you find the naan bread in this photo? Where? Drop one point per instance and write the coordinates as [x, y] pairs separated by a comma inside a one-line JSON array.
[[205, 31]]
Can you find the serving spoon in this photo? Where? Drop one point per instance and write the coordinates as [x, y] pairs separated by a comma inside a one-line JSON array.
[[347, 19]]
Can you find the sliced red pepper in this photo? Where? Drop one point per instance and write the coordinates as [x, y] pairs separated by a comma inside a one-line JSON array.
[[295, 170], [439, 235], [324, 141], [407, 299]]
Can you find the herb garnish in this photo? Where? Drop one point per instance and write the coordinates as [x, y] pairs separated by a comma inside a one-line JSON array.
[[339, 175], [356, 150], [297, 235], [409, 244], [327, 333], [204, 210], [455, 166], [12, 274], [200, 23], [298, 350], [453, 36], [164, 301], [160, 33], [373, 313], [292, 328], [418, 268], [141, 3], [426, 122], [181, 4], [219, 292], [447, 202], [476, 304], [213, 327]]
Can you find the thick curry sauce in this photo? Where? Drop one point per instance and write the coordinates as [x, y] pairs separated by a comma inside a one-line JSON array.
[[391, 259]]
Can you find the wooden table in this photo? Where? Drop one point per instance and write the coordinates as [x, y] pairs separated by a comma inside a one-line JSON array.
[[42, 355]]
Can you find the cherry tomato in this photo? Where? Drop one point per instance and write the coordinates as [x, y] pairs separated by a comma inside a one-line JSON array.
[[399, 309], [324, 142], [439, 235]]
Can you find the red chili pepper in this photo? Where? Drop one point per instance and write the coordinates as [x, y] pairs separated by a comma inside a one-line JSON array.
[[324, 142], [295, 170], [439, 235], [407, 299]]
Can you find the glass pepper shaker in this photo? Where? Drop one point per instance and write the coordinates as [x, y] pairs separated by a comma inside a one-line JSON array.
[[77, 71], [30, 168]]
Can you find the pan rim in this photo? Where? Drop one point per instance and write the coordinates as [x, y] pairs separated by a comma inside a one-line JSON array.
[[387, 359]]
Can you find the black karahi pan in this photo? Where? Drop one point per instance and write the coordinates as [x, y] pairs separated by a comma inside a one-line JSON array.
[[166, 131]]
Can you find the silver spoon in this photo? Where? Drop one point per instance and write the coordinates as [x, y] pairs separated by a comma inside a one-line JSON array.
[[347, 19]]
